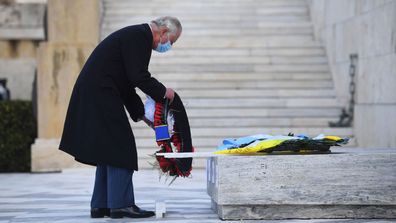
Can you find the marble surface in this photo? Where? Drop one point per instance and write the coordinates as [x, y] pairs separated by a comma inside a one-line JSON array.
[[348, 183], [365, 28], [64, 197]]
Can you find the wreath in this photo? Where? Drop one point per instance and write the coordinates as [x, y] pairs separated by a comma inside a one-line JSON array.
[[172, 117]]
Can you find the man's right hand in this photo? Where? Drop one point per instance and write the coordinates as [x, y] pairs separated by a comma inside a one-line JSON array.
[[170, 94]]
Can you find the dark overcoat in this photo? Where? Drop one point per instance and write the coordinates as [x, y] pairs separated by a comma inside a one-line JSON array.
[[96, 129]]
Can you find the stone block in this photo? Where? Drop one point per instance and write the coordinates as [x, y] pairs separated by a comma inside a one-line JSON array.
[[31, 1], [349, 183], [58, 68], [341, 81], [347, 39], [67, 25], [338, 11], [46, 157], [375, 125], [363, 6], [26, 49], [6, 49], [328, 37], [22, 21], [317, 10], [20, 77], [377, 32], [376, 80], [368, 5], [17, 49]]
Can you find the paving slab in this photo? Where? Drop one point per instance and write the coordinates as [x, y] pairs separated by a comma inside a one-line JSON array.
[[65, 198]]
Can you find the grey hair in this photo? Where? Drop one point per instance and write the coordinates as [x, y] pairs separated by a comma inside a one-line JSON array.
[[172, 23]]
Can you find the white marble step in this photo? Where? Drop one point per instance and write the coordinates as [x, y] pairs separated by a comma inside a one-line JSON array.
[[216, 17], [246, 42], [235, 122], [208, 33], [273, 60], [241, 113], [255, 93], [220, 131], [190, 26], [237, 76], [205, 9], [260, 103], [112, 10], [194, 4], [259, 122], [210, 137], [264, 112], [216, 20], [205, 2], [282, 41], [259, 84], [242, 52], [197, 24], [240, 67]]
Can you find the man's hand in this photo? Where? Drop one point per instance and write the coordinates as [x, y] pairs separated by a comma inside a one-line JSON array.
[[170, 94]]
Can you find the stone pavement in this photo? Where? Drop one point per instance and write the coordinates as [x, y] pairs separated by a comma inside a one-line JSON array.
[[65, 197]]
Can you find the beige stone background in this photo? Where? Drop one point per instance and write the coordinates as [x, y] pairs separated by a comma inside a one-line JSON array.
[[366, 28], [55, 45]]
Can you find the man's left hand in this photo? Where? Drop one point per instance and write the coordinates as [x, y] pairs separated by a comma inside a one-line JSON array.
[[170, 94]]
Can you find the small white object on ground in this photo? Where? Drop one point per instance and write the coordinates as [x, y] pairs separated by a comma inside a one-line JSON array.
[[160, 209]]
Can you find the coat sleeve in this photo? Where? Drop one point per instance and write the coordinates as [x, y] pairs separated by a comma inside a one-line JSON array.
[[134, 105], [135, 58]]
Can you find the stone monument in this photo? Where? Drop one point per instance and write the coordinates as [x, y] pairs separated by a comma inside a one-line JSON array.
[[349, 183], [73, 32]]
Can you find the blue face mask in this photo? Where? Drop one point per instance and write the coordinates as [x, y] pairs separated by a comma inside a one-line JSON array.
[[163, 47]]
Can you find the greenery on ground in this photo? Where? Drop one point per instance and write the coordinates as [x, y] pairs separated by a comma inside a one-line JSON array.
[[17, 132]]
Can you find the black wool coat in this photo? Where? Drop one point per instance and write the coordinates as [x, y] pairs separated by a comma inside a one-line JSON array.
[[96, 129]]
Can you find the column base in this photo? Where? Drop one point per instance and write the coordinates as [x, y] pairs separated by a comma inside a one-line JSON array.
[[46, 157]]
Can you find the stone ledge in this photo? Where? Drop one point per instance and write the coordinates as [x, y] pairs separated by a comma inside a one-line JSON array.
[[229, 212], [46, 157], [349, 183], [22, 21], [31, 33]]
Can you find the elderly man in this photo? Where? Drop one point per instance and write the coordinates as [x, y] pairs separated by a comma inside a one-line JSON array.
[[97, 131]]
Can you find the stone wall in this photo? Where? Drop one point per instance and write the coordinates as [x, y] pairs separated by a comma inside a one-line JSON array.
[[71, 39], [21, 29], [366, 28]]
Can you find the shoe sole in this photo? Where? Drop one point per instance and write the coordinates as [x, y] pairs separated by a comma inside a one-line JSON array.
[[97, 215], [118, 215]]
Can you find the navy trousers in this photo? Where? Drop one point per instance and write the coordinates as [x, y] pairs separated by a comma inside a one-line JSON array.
[[113, 188]]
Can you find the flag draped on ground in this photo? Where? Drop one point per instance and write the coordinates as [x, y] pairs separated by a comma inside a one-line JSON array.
[[267, 144]]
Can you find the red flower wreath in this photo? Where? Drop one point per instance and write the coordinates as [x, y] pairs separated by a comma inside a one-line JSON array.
[[172, 166]]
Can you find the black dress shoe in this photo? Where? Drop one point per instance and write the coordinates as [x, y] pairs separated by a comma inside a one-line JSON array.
[[100, 212], [130, 212]]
